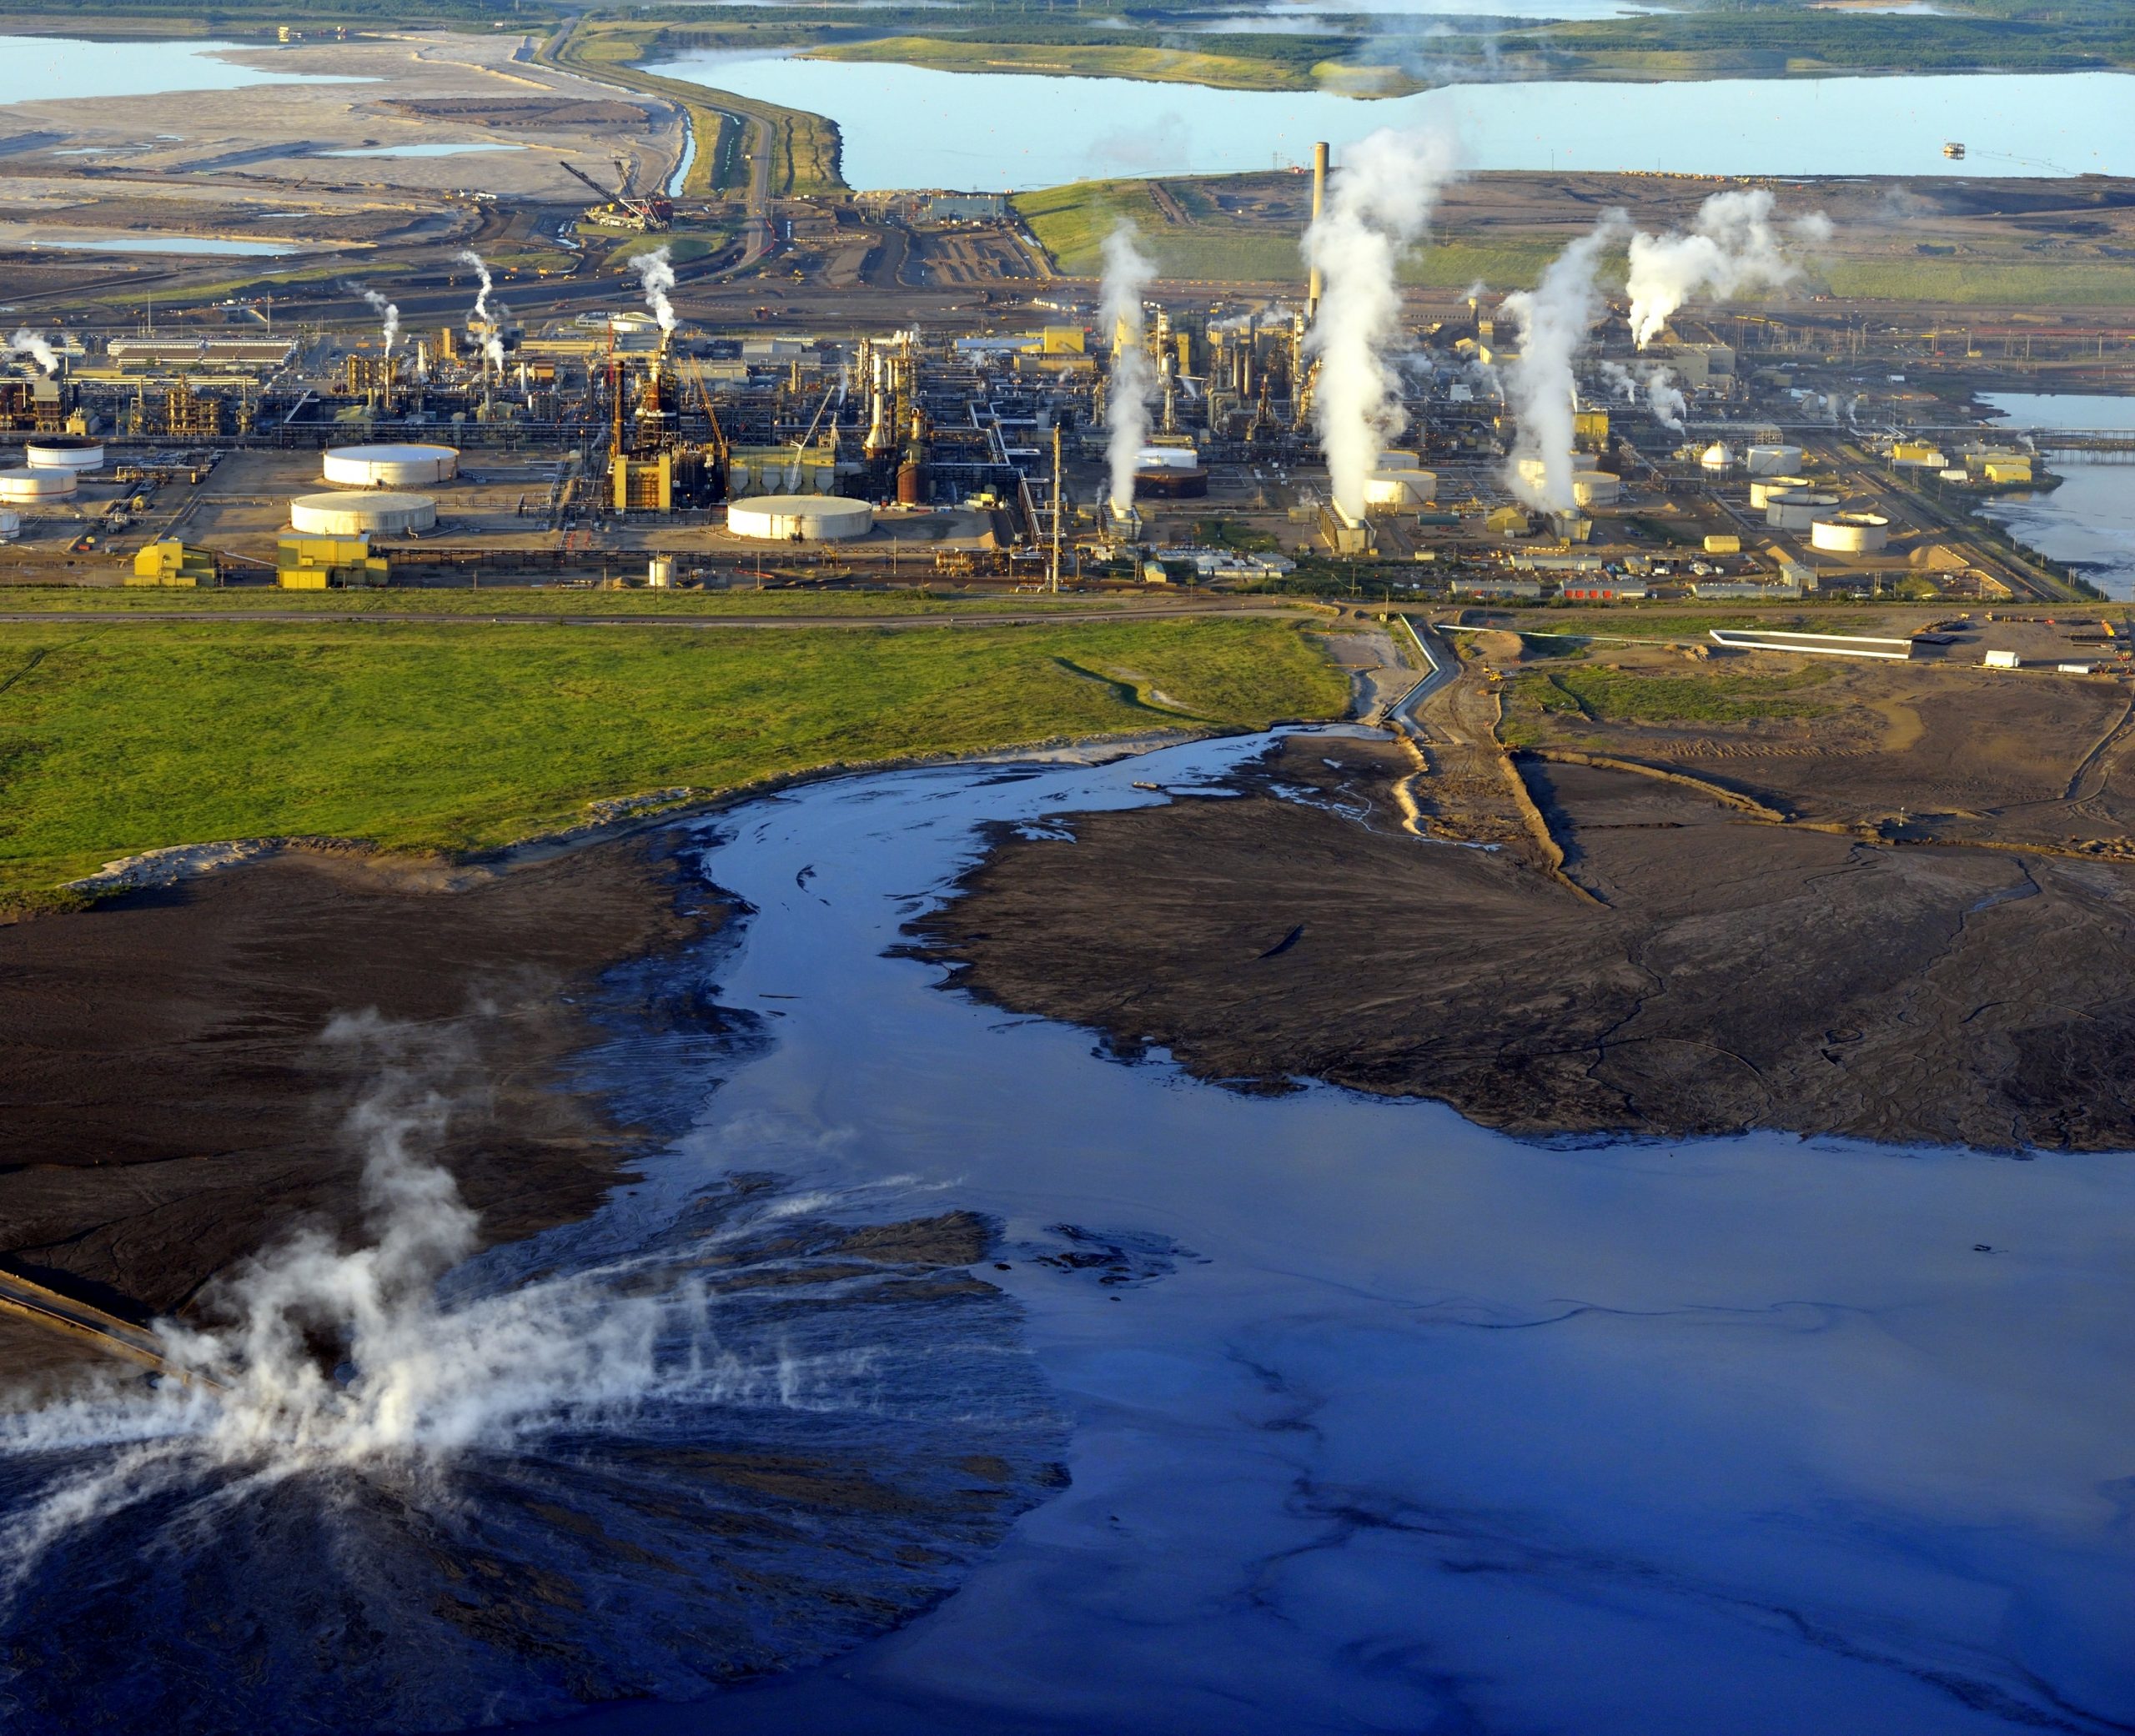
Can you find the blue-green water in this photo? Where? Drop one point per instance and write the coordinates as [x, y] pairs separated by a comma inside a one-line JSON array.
[[51, 68]]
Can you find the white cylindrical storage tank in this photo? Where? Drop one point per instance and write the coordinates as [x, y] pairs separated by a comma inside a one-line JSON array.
[[362, 514], [1772, 460], [1393, 460], [64, 452], [1167, 458], [29, 487], [1954, 476], [1392, 490], [1798, 509], [1596, 488], [389, 467], [660, 572], [1586, 461], [11, 526], [1718, 456], [806, 517], [1850, 533], [1764, 487]]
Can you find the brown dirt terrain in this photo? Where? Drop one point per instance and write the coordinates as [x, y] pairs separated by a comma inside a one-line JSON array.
[[1704, 972], [170, 1103]]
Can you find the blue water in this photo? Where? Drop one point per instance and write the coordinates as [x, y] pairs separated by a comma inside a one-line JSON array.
[[421, 150], [159, 245], [48, 68], [2090, 518], [909, 127]]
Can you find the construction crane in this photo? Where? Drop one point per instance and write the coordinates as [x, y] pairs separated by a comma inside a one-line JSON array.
[[651, 214]]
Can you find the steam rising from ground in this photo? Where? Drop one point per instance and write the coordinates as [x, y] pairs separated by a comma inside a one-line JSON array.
[[1128, 273], [1377, 206], [32, 344], [1733, 246], [382, 1491], [467, 256], [1554, 318], [389, 315], [655, 271]]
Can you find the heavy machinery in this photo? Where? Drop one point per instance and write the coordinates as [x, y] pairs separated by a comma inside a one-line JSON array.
[[648, 214]]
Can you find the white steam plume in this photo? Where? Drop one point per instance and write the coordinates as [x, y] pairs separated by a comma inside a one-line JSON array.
[[259, 1396], [388, 314], [1128, 271], [493, 353], [656, 270], [1620, 382], [1732, 246], [1665, 397], [1381, 199], [469, 257], [27, 343], [1554, 317]]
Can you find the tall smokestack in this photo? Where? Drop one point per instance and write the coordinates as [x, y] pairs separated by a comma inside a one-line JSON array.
[[1390, 181], [1318, 201]]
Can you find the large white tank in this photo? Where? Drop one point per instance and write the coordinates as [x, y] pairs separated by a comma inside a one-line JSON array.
[[1392, 460], [1596, 488], [1771, 460], [11, 526], [349, 514], [1391, 489], [1167, 458], [1762, 490], [29, 487], [1717, 457], [1850, 533], [1798, 509], [806, 517], [64, 452], [389, 467]]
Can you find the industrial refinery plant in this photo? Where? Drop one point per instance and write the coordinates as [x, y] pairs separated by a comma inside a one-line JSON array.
[[1576, 440]]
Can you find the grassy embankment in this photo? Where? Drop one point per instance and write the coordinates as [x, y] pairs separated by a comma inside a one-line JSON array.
[[1596, 694], [430, 737], [1224, 62], [1072, 221], [1071, 224]]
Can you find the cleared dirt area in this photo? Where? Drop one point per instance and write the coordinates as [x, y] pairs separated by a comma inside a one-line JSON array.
[[173, 1095], [1874, 924]]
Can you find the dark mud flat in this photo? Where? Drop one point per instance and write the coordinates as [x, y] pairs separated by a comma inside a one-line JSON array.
[[167, 1103], [1724, 975]]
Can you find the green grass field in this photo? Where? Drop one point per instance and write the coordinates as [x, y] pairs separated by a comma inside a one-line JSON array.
[[1613, 695], [522, 600], [428, 738]]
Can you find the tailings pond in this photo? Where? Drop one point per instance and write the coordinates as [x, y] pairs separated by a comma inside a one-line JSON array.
[[50, 69], [1262, 1415], [2089, 519], [906, 126]]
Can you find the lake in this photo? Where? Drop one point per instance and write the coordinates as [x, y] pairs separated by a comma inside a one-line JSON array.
[[49, 68], [2090, 519], [46, 240], [1371, 1420], [910, 127]]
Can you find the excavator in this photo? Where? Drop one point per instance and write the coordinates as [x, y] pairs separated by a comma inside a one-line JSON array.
[[649, 213]]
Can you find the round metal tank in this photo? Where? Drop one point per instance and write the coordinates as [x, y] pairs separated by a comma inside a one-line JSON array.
[[1586, 461], [1798, 509], [1718, 456], [1850, 533], [35, 485], [1392, 489], [660, 572], [389, 467], [357, 515], [1764, 487], [1771, 460], [1394, 460], [64, 452], [11, 526], [806, 517], [1596, 488]]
